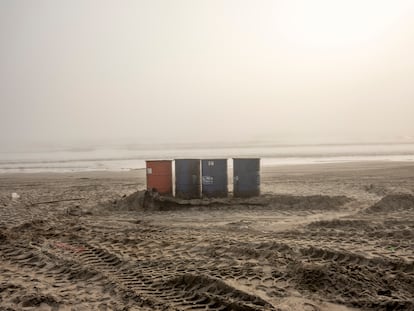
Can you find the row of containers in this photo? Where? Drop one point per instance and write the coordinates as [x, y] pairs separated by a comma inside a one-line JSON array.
[[195, 178]]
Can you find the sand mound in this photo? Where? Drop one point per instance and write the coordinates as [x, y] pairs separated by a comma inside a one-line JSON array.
[[393, 202], [134, 201], [147, 200]]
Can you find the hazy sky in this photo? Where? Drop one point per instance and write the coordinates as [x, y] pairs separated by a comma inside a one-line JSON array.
[[163, 70]]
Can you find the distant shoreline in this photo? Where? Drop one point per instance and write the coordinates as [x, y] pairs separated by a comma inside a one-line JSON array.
[[317, 166], [110, 159]]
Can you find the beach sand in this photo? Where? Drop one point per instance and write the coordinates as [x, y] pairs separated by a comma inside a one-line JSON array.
[[322, 237]]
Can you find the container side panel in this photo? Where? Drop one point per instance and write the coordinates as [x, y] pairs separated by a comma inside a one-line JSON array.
[[214, 178], [246, 177], [187, 178], [159, 176]]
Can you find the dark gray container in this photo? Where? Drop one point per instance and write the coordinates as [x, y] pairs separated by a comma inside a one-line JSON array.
[[246, 177], [214, 178], [187, 178]]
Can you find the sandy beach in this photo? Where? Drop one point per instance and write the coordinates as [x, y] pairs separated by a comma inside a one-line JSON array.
[[321, 237]]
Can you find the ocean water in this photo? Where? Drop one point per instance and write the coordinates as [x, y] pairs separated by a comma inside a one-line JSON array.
[[129, 157]]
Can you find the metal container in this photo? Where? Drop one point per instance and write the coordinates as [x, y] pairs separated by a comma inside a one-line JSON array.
[[246, 177], [187, 178], [159, 176], [214, 177]]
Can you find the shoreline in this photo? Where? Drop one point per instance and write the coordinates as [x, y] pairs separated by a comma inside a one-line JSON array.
[[126, 159], [264, 166]]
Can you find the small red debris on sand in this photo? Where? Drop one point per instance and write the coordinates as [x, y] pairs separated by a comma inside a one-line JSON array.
[[68, 247]]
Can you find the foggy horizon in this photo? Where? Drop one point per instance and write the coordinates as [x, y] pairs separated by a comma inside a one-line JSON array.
[[154, 72]]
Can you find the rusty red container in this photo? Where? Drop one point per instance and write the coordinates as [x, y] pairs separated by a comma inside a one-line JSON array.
[[159, 176]]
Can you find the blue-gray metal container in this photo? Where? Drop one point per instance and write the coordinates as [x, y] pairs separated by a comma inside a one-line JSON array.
[[187, 178], [214, 178], [246, 177]]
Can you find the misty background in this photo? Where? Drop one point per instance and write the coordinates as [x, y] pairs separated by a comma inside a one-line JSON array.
[[78, 73]]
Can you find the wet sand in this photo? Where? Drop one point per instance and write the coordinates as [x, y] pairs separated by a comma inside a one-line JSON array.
[[322, 237]]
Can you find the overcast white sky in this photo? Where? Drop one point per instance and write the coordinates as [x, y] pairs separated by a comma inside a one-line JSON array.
[[165, 71]]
